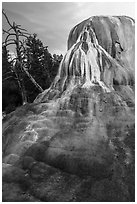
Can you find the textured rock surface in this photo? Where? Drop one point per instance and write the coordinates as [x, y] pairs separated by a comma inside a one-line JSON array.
[[76, 141]]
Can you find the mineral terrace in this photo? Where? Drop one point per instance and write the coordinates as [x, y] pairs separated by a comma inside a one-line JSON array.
[[75, 142]]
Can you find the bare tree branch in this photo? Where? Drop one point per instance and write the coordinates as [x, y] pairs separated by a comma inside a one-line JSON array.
[[9, 35], [7, 41], [14, 36], [9, 29], [5, 31], [33, 80], [23, 35], [11, 43], [11, 71], [22, 28], [7, 18], [8, 78], [21, 45]]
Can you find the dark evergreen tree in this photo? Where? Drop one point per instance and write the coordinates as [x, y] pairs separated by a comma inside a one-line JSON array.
[[11, 97], [38, 61], [16, 36], [40, 64], [31, 70]]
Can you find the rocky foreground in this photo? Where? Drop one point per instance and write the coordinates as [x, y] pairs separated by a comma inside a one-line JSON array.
[[76, 141]]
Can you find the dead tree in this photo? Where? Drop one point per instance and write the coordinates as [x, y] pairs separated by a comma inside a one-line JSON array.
[[17, 36]]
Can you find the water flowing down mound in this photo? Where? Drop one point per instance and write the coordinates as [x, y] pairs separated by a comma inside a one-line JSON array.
[[76, 141]]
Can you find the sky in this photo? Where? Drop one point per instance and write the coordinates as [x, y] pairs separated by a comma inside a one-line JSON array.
[[52, 21]]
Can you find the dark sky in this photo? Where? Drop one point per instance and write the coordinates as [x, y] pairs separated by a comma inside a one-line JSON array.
[[52, 21]]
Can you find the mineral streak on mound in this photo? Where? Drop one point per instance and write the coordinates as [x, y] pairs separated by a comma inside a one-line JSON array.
[[76, 141], [100, 51]]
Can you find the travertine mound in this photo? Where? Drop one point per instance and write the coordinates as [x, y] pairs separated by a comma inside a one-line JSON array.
[[76, 141]]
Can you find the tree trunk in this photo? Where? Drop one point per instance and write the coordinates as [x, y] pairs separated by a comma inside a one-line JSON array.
[[22, 87], [33, 80]]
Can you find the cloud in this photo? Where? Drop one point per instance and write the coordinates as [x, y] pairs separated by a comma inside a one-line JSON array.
[[52, 21]]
